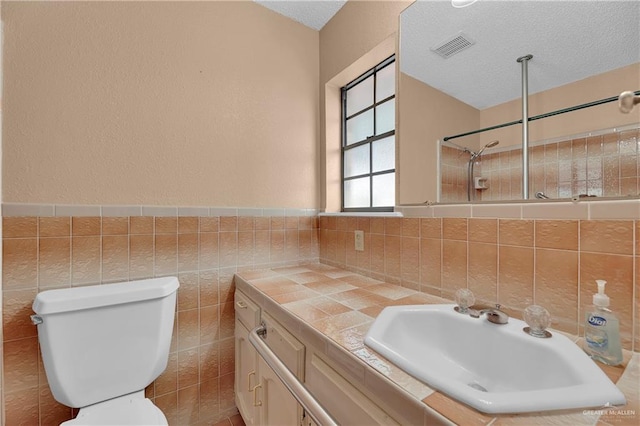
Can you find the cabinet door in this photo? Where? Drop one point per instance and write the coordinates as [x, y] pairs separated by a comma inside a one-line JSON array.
[[246, 374], [285, 346], [343, 400], [276, 405]]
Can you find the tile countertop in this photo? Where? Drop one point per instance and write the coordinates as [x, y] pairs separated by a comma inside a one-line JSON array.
[[341, 305]]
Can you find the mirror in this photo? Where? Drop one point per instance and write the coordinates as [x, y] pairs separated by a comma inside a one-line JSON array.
[[583, 51]]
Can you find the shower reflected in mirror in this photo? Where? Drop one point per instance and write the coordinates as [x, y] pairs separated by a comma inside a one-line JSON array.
[[597, 164], [471, 182], [579, 142]]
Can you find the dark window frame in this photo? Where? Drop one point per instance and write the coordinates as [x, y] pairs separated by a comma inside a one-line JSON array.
[[390, 61]]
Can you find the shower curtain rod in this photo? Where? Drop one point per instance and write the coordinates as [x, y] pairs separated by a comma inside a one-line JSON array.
[[538, 117]]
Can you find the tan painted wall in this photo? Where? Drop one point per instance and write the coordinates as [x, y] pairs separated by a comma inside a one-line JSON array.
[[426, 115], [590, 89], [191, 103], [355, 30], [359, 36]]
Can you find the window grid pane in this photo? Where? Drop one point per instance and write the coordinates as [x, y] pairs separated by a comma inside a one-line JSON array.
[[384, 190], [386, 116], [385, 82], [356, 161], [368, 147], [383, 154], [360, 96], [360, 127], [356, 193]]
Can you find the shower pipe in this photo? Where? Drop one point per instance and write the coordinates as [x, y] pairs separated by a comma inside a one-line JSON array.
[[524, 60], [538, 117], [470, 164]]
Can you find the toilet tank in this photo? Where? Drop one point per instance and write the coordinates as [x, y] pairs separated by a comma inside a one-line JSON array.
[[104, 341]]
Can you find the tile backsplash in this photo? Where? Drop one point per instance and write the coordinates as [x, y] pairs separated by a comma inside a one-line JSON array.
[[513, 262], [47, 252]]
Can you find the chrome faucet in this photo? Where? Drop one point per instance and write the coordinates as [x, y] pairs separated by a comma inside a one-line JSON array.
[[494, 315]]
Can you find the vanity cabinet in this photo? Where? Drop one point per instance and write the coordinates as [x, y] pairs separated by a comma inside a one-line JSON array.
[[264, 400], [246, 357], [261, 397]]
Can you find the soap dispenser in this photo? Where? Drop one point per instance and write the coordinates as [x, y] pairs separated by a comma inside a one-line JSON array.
[[602, 330]]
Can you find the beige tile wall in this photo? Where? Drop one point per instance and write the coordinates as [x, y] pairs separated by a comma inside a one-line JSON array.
[[43, 253], [453, 174], [603, 165], [514, 262]]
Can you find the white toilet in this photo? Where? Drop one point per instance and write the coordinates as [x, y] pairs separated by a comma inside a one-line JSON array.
[[102, 345]]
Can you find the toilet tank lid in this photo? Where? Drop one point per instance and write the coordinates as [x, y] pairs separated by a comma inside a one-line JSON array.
[[79, 298]]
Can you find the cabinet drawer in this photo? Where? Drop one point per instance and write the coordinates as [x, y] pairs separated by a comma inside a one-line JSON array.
[[340, 398], [286, 347], [246, 311]]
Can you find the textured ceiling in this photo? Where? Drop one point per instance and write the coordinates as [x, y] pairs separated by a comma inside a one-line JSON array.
[[312, 13], [569, 41]]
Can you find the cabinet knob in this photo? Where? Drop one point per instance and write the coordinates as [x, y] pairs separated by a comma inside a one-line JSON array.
[[240, 304]]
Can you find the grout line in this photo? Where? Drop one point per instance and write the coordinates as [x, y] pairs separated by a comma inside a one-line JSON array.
[[467, 254], [579, 298], [634, 290], [497, 260], [535, 259]]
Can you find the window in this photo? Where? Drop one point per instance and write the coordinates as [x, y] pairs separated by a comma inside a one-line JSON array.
[[368, 140]]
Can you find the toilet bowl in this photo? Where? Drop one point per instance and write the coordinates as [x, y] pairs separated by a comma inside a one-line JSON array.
[[103, 345]]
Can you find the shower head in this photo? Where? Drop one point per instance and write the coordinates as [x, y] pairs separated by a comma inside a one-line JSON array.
[[489, 145], [627, 100]]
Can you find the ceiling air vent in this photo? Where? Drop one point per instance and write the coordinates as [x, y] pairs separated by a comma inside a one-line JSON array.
[[453, 45]]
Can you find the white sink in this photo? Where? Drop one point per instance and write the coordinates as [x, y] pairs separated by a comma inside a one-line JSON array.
[[493, 368]]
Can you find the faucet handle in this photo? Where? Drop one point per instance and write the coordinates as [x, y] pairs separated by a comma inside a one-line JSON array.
[[538, 319], [464, 299]]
